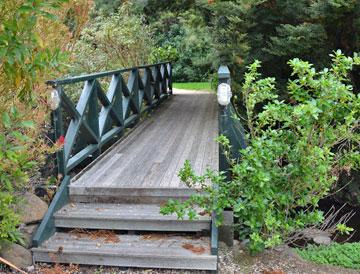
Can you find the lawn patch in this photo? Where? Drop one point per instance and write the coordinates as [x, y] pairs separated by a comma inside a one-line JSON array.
[[193, 86], [345, 255]]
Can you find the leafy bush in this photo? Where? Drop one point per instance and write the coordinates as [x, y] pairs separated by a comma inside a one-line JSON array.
[[162, 54], [345, 255], [21, 46], [296, 151], [9, 218], [14, 168]]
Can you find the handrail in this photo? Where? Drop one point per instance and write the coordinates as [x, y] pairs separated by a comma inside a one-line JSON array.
[[92, 76], [100, 116]]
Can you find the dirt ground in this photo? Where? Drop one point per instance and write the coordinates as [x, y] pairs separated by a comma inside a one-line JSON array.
[[282, 260]]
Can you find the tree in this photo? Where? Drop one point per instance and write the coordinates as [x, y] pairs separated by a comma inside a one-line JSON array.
[[276, 31]]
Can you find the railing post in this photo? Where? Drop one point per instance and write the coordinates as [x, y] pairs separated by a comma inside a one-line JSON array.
[[170, 78], [224, 78], [225, 232], [59, 137]]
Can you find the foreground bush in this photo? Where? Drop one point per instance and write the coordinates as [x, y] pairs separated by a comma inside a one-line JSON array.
[[345, 255], [296, 150]]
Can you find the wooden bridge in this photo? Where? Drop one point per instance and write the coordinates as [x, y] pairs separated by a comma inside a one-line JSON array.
[[107, 212]]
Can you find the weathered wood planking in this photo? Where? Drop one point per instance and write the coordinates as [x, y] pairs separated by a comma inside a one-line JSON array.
[[148, 251], [134, 217], [151, 156]]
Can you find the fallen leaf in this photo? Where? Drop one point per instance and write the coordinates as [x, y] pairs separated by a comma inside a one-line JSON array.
[[277, 271], [60, 250], [195, 249], [154, 237]]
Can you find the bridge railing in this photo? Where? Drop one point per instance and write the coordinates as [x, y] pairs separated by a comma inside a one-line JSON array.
[[96, 117], [84, 125]]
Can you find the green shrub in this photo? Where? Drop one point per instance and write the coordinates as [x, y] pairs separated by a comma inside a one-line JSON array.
[[345, 255], [9, 219], [162, 54], [14, 168], [296, 150], [24, 58]]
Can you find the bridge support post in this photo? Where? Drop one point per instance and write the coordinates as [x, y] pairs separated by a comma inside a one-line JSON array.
[[224, 78], [58, 135], [226, 230]]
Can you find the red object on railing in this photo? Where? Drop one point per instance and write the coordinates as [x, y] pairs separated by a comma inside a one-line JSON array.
[[61, 140]]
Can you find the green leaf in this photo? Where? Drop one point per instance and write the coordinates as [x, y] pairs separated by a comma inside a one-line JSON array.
[[28, 124], [6, 119]]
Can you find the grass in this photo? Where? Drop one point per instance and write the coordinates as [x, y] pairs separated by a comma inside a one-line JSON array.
[[193, 86], [344, 255]]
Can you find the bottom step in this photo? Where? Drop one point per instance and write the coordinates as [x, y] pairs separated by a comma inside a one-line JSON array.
[[146, 250]]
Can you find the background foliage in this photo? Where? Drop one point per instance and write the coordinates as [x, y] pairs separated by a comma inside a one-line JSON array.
[[109, 42], [237, 32]]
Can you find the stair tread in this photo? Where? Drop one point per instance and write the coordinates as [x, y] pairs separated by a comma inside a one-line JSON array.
[[132, 191], [139, 195], [119, 212], [144, 250], [152, 244]]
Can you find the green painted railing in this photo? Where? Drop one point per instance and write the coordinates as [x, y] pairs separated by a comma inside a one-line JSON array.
[[99, 116]]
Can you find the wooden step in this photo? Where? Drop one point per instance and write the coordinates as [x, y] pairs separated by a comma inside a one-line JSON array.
[[86, 194], [144, 251], [144, 217]]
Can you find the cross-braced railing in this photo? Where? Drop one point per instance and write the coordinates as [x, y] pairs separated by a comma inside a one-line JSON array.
[[99, 115]]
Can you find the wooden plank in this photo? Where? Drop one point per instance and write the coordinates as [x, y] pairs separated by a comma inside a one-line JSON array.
[[142, 195], [148, 250], [186, 148], [143, 217], [152, 156], [131, 147]]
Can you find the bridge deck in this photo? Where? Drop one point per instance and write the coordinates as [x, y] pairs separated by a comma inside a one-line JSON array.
[[184, 128]]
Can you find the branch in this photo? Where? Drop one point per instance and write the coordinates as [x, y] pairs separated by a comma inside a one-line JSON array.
[[12, 266]]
